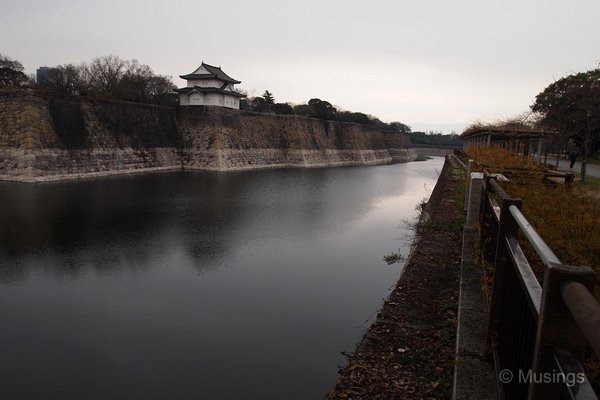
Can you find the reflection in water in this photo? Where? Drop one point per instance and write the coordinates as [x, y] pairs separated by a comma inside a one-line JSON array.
[[218, 285]]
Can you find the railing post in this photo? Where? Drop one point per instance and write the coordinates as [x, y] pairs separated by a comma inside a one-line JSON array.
[[569, 179], [556, 327], [486, 219], [474, 199], [506, 226], [469, 169], [484, 197]]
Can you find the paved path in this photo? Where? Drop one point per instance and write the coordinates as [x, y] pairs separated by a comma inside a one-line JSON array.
[[592, 169]]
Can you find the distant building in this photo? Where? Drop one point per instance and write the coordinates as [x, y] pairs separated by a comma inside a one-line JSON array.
[[44, 75], [209, 86]]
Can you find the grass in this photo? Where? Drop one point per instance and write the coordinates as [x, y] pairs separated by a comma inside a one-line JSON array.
[[432, 226], [591, 159], [393, 258], [567, 218], [458, 224], [591, 183]]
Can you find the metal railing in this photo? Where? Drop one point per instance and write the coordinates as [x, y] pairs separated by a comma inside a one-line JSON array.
[[537, 333]]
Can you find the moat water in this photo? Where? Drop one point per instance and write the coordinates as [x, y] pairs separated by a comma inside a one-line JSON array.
[[195, 285]]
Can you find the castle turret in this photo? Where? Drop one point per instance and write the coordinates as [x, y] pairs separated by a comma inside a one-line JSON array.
[[209, 86]]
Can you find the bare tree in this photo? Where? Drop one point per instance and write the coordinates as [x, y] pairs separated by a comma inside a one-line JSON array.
[[66, 80], [103, 75], [110, 77]]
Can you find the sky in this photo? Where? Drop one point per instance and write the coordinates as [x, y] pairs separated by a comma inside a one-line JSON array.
[[435, 65]]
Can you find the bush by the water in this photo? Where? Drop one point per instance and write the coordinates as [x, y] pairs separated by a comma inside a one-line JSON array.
[[393, 258]]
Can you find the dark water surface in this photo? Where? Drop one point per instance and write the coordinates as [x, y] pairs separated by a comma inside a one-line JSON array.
[[196, 285]]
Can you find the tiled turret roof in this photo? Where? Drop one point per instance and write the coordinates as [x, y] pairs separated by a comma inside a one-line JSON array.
[[213, 73]]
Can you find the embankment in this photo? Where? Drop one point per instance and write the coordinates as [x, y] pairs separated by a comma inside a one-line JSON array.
[[47, 138]]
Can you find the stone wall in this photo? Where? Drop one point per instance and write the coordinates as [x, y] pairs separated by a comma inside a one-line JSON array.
[[46, 138], [224, 139]]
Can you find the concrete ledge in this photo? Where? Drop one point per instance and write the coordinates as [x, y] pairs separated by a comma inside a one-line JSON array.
[[474, 376], [473, 384]]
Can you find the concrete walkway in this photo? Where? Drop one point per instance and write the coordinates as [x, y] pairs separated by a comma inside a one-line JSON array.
[[474, 375], [592, 169]]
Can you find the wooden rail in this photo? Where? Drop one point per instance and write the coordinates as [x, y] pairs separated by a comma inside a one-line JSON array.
[[536, 332], [544, 175]]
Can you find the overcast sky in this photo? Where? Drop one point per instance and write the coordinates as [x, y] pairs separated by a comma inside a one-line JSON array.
[[431, 64]]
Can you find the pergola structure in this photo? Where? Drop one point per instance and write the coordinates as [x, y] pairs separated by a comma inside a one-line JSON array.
[[517, 140]]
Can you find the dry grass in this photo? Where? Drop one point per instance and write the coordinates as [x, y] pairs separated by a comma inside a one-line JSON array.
[[568, 218], [501, 160], [592, 185]]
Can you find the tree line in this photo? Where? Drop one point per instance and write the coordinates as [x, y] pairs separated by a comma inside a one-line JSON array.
[[110, 77], [435, 138], [317, 108], [107, 77]]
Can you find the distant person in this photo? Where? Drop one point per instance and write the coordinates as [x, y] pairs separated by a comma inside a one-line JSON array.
[[573, 150]]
